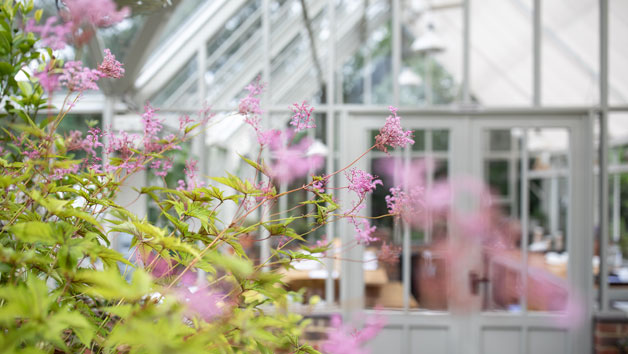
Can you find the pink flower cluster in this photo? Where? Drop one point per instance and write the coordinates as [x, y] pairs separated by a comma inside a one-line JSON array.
[[392, 134], [302, 116], [363, 231], [361, 181], [110, 67], [48, 79], [202, 302], [85, 15], [291, 161], [78, 20], [52, 35], [345, 339], [78, 78], [124, 147], [59, 173], [191, 177]]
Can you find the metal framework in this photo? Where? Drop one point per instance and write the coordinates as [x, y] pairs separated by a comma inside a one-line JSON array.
[[146, 77]]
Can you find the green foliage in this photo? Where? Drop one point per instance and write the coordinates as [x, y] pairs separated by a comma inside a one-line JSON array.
[[64, 289]]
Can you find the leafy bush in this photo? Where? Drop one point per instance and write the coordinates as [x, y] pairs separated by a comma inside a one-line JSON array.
[[62, 287]]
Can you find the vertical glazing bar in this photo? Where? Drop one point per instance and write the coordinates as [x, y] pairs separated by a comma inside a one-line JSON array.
[[202, 96], [466, 53], [429, 156], [536, 52], [396, 48], [616, 208], [329, 139], [266, 95], [524, 233], [603, 155], [406, 254]]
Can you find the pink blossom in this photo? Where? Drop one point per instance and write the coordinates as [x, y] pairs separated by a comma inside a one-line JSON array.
[[250, 104], [161, 167], [266, 189], [184, 120], [345, 339], [110, 67], [302, 116], [320, 184], [202, 302], [292, 161], [362, 182], [152, 127], [59, 173], [31, 153], [191, 176], [269, 137], [74, 140], [48, 79], [391, 134], [77, 78], [363, 230], [389, 253], [52, 35], [84, 15]]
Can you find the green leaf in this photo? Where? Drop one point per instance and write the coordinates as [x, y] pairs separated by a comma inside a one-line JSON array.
[[38, 14], [252, 163], [238, 266], [5, 68], [26, 87], [34, 231]]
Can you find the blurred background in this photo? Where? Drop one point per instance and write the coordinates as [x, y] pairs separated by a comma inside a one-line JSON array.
[[528, 96]]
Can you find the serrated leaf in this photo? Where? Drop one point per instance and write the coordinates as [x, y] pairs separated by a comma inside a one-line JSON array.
[[34, 231]]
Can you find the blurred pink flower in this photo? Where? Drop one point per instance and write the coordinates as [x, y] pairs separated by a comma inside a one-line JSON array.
[[201, 302], [389, 253], [291, 161], [392, 134], [345, 339], [361, 182], [48, 79], [77, 78], [302, 116], [250, 105], [85, 15], [59, 173], [363, 230], [110, 67], [52, 35]]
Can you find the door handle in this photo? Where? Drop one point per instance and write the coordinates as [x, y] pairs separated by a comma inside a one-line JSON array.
[[474, 282]]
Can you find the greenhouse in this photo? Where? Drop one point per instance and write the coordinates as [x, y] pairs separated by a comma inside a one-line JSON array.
[[314, 176]]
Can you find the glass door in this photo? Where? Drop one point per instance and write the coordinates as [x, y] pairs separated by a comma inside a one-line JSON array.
[[528, 284], [493, 259]]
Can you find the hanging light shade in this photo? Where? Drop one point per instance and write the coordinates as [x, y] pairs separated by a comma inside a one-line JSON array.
[[429, 42], [407, 77]]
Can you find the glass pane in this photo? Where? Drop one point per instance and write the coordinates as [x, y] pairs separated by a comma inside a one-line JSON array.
[[548, 231], [234, 56], [570, 46], [618, 53], [501, 53], [431, 53], [440, 140], [365, 54], [181, 91], [428, 236], [617, 260], [298, 74], [502, 266], [419, 140]]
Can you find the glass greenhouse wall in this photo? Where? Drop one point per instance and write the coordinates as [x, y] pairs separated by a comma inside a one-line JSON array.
[[529, 96]]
